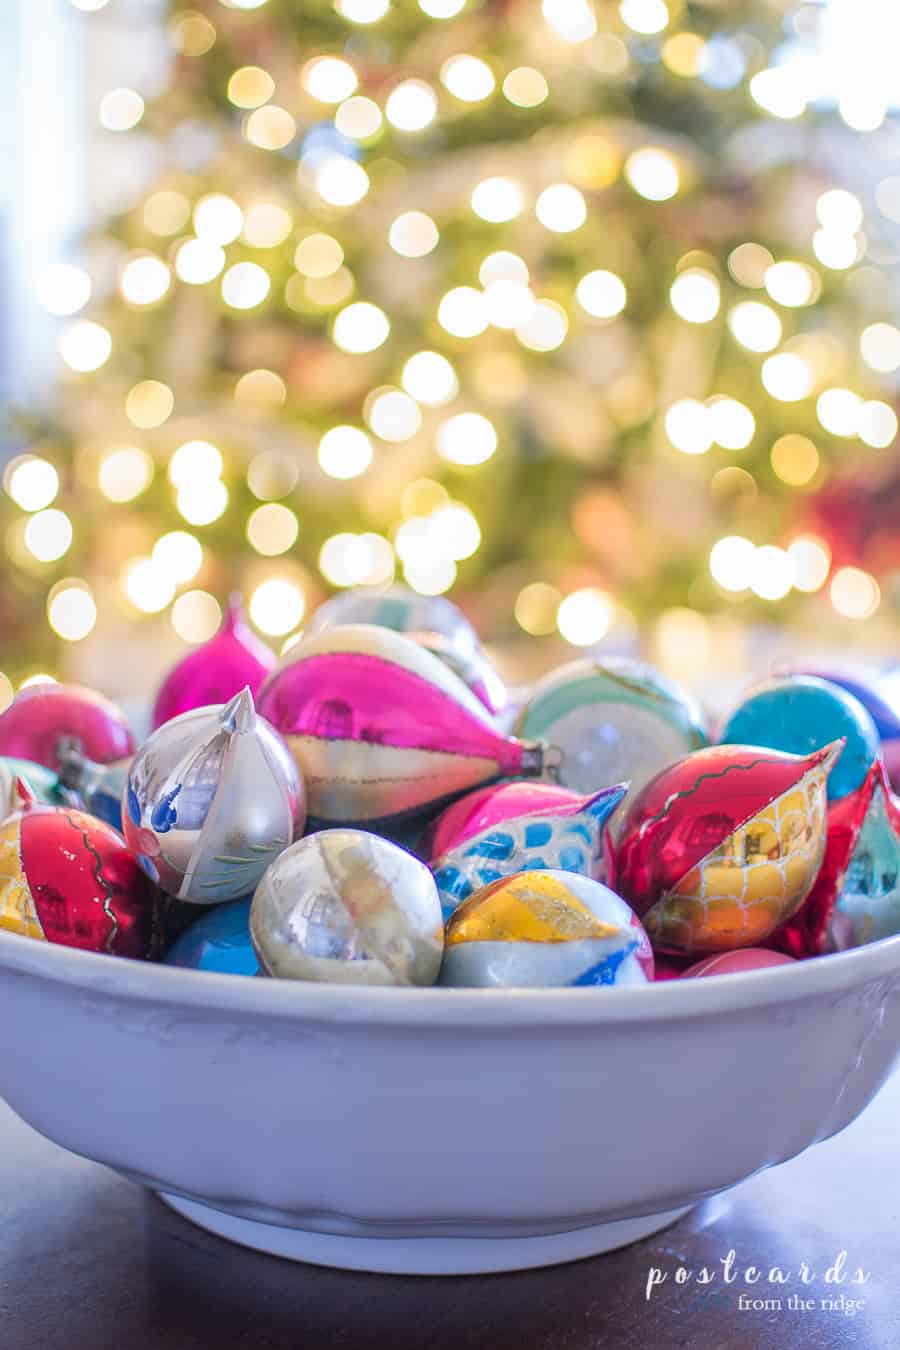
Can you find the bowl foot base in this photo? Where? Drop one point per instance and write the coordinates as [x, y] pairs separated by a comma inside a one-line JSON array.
[[422, 1255]]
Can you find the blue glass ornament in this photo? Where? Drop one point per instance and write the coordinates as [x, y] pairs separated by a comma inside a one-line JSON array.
[[218, 941]]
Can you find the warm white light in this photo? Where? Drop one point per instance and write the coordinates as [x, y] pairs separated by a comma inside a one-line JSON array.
[[791, 283], [601, 294], [412, 106], [413, 234], [455, 531], [147, 586], [694, 295], [179, 555], [879, 345], [260, 390], [266, 225], [393, 415], [85, 346], [250, 87], [121, 109], [854, 593], [71, 611], [196, 616], [277, 606], [144, 280], [89, 6], [572, 20], [362, 11], [467, 78], [731, 562], [195, 461], [585, 616], [839, 411], [245, 285], [63, 289], [357, 560], [689, 426], [328, 79], [360, 327], [812, 563], [733, 424], [359, 118], [795, 459], [345, 452], [755, 326], [787, 377], [125, 473], [773, 573], [834, 249], [508, 303], [430, 379], [840, 210], [545, 328], [441, 9], [644, 16], [318, 255], [877, 424], [652, 173], [503, 266], [202, 502], [270, 128], [463, 312], [862, 109], [467, 438], [272, 529], [149, 403], [199, 261], [561, 208], [341, 181], [497, 200], [525, 87], [32, 482], [48, 535], [430, 575], [218, 219], [778, 91]]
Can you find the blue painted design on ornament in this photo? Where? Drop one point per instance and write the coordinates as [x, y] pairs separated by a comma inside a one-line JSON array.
[[134, 807], [603, 805], [605, 971], [572, 859], [497, 845], [538, 833], [535, 865], [488, 875], [165, 815], [581, 832]]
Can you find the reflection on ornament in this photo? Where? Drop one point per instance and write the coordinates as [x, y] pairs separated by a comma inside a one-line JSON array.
[[723, 847], [735, 963], [69, 879], [545, 928], [613, 719], [856, 898], [801, 714], [518, 827], [39, 716], [219, 941], [347, 907], [211, 799], [883, 714], [96, 787], [381, 728], [218, 670]]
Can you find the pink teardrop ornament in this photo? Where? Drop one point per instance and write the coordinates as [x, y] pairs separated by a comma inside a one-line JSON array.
[[232, 660]]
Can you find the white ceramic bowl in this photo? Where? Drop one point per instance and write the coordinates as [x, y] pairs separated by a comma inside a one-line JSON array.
[[432, 1130]]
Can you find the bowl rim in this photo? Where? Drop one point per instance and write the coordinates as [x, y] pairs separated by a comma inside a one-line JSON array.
[[94, 973]]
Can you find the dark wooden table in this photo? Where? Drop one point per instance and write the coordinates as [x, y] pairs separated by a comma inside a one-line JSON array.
[[90, 1262]]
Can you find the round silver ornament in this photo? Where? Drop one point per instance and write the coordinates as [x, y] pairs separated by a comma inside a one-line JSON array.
[[348, 907], [211, 799]]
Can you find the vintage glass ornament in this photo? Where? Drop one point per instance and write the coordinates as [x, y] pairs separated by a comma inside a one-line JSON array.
[[720, 849], [42, 784], [211, 799], [735, 963], [431, 620], [233, 659], [878, 705], [218, 941], [68, 878], [98, 787], [348, 907], [856, 898], [612, 720], [799, 714], [41, 715], [382, 729], [545, 928], [516, 827]]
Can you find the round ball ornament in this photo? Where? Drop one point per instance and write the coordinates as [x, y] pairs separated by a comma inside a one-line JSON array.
[[518, 827], [801, 714], [218, 941], [381, 729], [856, 897], [545, 929], [68, 878], [40, 716], [213, 673], [345, 906], [612, 720], [735, 963], [211, 799], [880, 707], [722, 848]]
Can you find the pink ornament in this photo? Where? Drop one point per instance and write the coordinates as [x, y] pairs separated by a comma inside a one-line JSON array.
[[232, 660], [42, 715], [733, 963]]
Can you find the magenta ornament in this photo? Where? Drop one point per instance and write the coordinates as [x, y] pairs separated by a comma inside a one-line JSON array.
[[232, 660], [43, 716]]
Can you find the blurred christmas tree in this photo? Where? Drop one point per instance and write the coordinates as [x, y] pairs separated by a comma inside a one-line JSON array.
[[558, 305]]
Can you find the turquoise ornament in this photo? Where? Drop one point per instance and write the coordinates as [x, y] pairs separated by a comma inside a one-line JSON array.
[[219, 941], [800, 714]]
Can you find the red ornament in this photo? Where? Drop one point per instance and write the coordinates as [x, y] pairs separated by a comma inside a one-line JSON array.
[[232, 660], [68, 878], [40, 716]]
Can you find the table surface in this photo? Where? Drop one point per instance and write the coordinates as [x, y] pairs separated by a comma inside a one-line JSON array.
[[90, 1260]]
